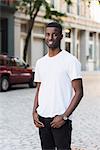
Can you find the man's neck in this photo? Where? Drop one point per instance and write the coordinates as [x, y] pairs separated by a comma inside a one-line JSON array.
[[54, 52]]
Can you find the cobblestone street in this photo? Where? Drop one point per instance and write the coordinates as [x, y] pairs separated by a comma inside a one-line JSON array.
[[17, 131]]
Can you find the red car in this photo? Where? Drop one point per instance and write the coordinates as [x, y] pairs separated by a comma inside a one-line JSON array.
[[14, 71]]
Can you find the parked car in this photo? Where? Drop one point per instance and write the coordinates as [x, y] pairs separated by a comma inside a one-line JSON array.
[[14, 71]]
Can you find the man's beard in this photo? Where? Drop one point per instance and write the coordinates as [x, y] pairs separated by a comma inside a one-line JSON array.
[[53, 46]]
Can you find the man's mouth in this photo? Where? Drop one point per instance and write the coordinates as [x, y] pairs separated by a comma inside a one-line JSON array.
[[50, 42]]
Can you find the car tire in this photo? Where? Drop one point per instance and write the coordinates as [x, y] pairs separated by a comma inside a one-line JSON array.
[[4, 83], [32, 84]]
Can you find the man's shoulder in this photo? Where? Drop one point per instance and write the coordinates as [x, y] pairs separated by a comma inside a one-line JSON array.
[[42, 59], [70, 57]]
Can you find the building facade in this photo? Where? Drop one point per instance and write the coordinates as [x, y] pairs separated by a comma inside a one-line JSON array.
[[7, 27], [81, 34]]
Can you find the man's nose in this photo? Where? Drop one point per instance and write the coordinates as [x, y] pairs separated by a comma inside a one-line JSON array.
[[50, 37]]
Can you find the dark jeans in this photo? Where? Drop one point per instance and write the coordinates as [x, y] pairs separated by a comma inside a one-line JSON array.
[[52, 138]]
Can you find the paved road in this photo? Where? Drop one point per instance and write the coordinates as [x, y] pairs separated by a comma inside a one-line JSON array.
[[17, 131]]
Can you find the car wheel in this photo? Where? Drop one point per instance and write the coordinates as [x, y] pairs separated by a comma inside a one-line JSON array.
[[4, 83], [32, 84]]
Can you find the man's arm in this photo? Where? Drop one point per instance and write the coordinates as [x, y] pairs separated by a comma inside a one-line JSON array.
[[34, 113], [36, 98], [78, 88]]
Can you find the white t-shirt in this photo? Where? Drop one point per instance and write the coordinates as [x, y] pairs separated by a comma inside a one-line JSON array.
[[55, 74]]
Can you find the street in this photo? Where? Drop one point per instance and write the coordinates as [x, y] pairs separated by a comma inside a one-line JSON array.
[[17, 131]]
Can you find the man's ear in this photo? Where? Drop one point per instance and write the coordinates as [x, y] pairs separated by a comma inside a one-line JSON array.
[[61, 36]]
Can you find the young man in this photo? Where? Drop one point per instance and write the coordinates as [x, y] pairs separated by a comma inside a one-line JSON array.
[[59, 91]]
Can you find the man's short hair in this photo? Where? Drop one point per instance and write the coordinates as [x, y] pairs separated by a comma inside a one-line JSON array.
[[55, 24]]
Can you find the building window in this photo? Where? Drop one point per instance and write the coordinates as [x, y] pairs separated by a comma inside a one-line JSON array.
[[45, 48], [78, 7], [68, 8], [91, 36], [52, 3], [91, 54], [55, 4], [68, 40], [68, 33], [4, 35], [38, 30], [91, 45], [23, 28], [67, 46]]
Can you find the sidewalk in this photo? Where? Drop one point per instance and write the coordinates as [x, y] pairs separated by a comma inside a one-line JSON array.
[[86, 122]]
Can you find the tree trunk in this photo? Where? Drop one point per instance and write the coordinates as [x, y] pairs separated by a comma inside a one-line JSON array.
[[31, 24]]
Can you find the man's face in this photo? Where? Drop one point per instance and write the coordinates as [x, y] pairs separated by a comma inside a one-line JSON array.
[[53, 37]]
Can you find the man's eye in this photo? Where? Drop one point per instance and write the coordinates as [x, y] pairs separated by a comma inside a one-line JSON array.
[[55, 34], [47, 34]]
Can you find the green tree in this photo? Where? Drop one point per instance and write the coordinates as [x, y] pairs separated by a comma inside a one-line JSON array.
[[32, 8]]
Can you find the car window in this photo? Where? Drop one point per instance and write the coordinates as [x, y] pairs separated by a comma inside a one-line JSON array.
[[19, 63], [11, 62], [3, 61]]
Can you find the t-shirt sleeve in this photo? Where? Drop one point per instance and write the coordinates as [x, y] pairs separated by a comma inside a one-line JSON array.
[[75, 70], [37, 74]]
